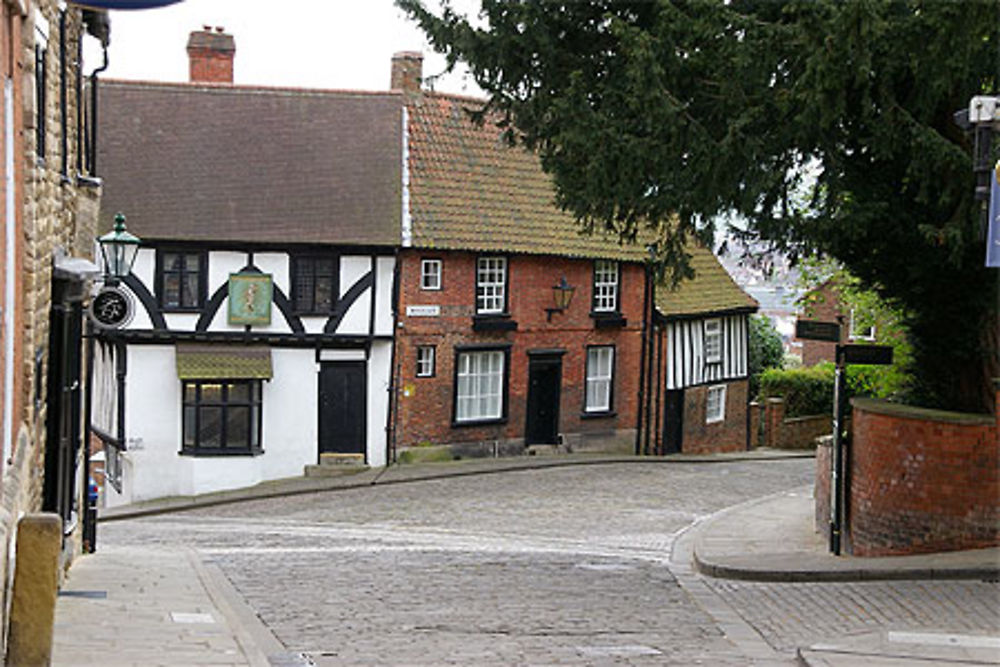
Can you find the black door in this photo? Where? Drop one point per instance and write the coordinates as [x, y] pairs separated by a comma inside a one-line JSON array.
[[342, 391], [673, 421], [542, 415]]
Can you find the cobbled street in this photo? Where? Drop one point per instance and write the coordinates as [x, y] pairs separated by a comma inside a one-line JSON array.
[[565, 565]]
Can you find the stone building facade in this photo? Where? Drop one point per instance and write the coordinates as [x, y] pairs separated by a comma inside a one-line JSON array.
[[49, 215]]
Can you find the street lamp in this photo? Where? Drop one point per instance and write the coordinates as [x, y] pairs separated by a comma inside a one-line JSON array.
[[562, 295], [118, 250]]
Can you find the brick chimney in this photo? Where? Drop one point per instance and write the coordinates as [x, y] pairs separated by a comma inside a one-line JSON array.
[[407, 71], [211, 52]]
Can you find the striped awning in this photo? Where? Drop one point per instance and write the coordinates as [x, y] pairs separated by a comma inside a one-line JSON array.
[[223, 362]]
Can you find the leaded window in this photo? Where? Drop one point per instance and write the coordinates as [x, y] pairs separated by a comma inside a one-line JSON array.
[[181, 279], [713, 341], [314, 283], [222, 417]]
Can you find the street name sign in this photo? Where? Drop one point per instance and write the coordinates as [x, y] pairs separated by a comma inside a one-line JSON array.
[[813, 330], [877, 355]]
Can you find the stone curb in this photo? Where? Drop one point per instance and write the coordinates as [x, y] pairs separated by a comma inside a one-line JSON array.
[[420, 473]]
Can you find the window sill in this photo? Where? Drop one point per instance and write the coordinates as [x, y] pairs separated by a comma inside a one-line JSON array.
[[204, 452], [608, 320], [493, 323], [188, 309], [596, 414], [478, 422]]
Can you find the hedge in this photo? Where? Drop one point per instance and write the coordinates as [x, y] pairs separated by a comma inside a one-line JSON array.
[[807, 391]]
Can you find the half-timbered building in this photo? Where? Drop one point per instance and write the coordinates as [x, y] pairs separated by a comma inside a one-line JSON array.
[[262, 334], [696, 389]]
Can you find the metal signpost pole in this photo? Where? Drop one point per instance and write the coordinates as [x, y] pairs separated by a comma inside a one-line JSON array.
[[837, 463]]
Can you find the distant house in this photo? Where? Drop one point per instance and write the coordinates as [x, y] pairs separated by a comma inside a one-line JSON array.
[[698, 388], [263, 333], [824, 303]]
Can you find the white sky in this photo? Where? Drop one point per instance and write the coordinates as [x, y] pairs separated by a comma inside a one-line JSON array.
[[339, 44]]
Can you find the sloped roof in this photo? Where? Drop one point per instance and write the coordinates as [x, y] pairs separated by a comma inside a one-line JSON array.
[[237, 163], [470, 190], [711, 291]]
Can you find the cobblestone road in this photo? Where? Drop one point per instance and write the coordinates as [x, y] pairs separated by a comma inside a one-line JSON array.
[[557, 566]]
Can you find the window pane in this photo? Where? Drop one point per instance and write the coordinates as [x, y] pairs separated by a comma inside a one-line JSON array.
[[190, 393], [255, 426], [192, 262], [189, 426], [237, 428], [171, 290], [324, 293], [171, 261], [210, 427], [190, 296], [239, 393], [211, 393]]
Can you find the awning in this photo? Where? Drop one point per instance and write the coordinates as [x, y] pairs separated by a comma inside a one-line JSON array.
[[223, 362]]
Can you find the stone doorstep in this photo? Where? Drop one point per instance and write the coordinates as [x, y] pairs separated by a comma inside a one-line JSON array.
[[330, 459], [334, 470]]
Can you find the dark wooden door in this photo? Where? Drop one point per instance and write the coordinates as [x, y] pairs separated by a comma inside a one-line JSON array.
[[673, 421], [542, 415], [342, 414]]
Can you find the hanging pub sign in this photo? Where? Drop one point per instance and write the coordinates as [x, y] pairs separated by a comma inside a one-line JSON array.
[[993, 235], [250, 298], [111, 308]]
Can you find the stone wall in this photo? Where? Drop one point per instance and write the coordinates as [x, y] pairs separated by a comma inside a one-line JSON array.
[[922, 480], [56, 213]]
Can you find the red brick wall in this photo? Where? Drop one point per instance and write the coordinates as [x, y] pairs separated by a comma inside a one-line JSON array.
[[210, 66], [922, 481], [426, 404], [728, 435], [792, 433], [821, 489]]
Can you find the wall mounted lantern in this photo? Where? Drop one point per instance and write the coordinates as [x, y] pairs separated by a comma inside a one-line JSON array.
[[562, 296], [118, 250]]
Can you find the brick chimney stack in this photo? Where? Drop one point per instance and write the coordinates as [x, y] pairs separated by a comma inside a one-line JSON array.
[[211, 54], [407, 71]]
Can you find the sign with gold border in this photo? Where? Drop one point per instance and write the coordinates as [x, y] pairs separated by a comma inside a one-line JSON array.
[[250, 298]]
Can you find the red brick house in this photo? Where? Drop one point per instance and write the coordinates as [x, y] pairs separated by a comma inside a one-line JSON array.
[[823, 304], [484, 355]]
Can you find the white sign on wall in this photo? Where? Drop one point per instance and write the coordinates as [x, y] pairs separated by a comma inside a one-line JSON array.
[[423, 311]]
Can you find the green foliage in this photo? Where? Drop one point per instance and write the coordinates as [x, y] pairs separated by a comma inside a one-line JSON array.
[[826, 124], [807, 391], [766, 350]]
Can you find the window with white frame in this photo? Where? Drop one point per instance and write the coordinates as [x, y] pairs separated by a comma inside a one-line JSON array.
[[713, 341], [430, 274], [479, 378], [605, 286], [600, 376], [491, 285], [425, 361], [862, 326], [715, 404]]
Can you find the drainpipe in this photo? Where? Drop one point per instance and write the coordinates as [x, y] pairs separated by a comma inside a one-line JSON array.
[[646, 298], [93, 113], [392, 417]]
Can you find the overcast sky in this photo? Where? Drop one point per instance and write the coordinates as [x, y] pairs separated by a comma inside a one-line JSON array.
[[339, 44]]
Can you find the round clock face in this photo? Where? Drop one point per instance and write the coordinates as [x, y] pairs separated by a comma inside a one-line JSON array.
[[111, 308]]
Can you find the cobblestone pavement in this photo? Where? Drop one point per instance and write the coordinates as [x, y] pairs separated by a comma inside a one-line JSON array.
[[557, 566]]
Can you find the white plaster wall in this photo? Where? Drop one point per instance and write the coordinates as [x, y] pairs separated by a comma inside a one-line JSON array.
[[356, 318], [313, 325], [379, 373], [154, 469], [275, 263], [140, 318], [145, 267], [383, 297], [220, 265], [181, 321], [352, 269]]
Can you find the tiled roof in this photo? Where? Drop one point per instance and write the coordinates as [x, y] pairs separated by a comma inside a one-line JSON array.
[[236, 163], [711, 291], [470, 190]]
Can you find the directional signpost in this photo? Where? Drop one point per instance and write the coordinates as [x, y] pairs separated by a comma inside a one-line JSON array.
[[846, 354]]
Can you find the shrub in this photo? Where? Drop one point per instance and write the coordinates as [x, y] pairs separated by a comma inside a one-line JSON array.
[[807, 391]]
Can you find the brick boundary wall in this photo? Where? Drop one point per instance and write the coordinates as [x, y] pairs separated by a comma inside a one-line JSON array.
[[922, 480], [821, 489], [770, 428]]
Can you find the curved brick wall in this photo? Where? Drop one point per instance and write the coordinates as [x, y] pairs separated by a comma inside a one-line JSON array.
[[922, 480]]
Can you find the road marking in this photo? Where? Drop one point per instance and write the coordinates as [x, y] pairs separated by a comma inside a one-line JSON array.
[[190, 617], [936, 639]]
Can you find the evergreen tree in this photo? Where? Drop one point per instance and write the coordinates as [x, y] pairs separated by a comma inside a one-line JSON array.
[[827, 124]]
